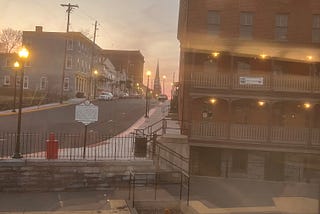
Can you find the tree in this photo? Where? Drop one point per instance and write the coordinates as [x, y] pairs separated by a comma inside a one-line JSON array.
[[10, 40]]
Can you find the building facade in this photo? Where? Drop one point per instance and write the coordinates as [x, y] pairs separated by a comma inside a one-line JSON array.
[[72, 63], [250, 87], [46, 67], [129, 62]]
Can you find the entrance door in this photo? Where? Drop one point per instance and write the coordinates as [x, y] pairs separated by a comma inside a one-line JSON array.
[[274, 166]]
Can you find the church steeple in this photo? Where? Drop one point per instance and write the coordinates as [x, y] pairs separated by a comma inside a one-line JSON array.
[[156, 83]]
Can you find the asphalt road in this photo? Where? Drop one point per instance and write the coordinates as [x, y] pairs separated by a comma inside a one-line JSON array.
[[114, 117]]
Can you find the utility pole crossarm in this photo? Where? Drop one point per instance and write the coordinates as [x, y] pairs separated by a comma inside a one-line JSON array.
[[70, 8]]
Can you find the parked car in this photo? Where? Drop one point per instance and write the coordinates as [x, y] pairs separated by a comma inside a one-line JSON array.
[[105, 96], [162, 97], [124, 95]]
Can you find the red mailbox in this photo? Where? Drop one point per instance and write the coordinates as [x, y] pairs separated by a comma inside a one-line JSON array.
[[52, 147]]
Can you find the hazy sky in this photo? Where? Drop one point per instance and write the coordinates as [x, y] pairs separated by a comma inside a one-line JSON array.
[[146, 25]]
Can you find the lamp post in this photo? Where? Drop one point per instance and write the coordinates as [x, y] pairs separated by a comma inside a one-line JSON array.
[[147, 92], [95, 72], [16, 67], [23, 55], [163, 79]]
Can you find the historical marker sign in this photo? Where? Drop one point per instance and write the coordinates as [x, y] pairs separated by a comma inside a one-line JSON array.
[[86, 113]]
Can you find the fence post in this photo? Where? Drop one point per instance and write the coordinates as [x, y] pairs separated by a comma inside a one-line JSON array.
[[164, 126], [154, 141]]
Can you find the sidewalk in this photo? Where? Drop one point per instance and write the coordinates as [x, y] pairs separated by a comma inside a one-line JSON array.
[[43, 107]]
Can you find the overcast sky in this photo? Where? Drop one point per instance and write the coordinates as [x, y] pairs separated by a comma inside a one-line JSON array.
[[146, 25]]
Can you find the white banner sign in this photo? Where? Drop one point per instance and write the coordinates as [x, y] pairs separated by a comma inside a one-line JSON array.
[[86, 113], [251, 80]]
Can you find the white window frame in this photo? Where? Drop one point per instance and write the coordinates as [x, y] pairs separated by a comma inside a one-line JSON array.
[[213, 22], [25, 82], [6, 80], [43, 83], [66, 84], [68, 59], [316, 28], [69, 44], [281, 27], [246, 25]]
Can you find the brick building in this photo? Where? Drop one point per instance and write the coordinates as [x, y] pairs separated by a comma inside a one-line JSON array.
[[250, 70], [47, 58]]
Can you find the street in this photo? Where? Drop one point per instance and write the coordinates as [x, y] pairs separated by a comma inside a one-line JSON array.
[[114, 117]]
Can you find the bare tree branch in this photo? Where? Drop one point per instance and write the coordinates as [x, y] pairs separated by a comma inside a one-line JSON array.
[[10, 39]]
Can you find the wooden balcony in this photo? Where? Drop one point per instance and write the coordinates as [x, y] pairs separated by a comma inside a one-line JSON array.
[[213, 131], [263, 82]]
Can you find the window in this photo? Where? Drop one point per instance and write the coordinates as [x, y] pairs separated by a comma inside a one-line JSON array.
[[239, 161], [43, 83], [25, 82], [316, 29], [70, 45], [281, 29], [243, 67], [7, 63], [69, 62], [6, 80], [66, 84], [213, 20], [246, 23]]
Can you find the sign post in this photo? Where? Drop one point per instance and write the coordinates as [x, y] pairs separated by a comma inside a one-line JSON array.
[[86, 113]]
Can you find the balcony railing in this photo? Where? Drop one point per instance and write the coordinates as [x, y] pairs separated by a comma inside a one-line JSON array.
[[281, 83], [255, 133]]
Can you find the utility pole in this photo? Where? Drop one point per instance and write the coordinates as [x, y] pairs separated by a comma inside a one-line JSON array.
[[69, 10], [92, 58]]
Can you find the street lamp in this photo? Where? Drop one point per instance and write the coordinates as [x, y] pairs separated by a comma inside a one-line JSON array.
[[23, 55], [16, 67], [163, 79], [147, 91], [95, 72]]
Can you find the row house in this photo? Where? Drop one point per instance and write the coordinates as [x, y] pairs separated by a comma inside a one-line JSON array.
[[47, 58], [130, 63], [111, 79], [71, 58], [249, 93]]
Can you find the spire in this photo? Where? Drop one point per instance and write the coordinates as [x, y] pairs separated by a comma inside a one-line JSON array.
[[156, 84]]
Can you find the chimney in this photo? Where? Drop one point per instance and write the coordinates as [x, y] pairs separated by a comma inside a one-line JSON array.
[[39, 29]]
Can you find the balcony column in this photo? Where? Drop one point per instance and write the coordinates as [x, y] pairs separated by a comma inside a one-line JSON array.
[[229, 118], [270, 113], [272, 74], [231, 72], [312, 74], [309, 115]]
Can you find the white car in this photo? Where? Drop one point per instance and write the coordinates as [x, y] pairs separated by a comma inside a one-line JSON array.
[[105, 96]]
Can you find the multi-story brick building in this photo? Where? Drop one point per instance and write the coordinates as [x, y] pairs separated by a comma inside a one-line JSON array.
[[250, 87], [45, 69]]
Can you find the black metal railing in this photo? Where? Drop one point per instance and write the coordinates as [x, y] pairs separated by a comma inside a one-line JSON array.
[[70, 146]]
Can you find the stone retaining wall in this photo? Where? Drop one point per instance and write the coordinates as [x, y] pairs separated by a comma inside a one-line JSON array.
[[26, 175]]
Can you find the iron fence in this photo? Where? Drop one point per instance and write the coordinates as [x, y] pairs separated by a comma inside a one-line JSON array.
[[72, 146]]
